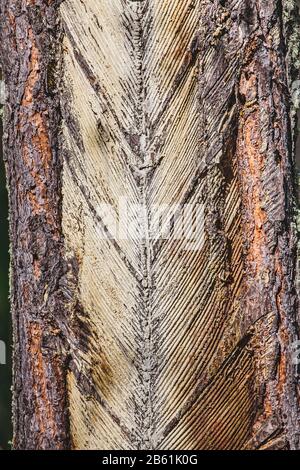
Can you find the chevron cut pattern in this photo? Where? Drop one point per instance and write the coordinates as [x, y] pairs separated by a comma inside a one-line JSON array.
[[160, 359]]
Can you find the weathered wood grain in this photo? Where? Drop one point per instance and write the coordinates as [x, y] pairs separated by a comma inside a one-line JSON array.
[[152, 345]]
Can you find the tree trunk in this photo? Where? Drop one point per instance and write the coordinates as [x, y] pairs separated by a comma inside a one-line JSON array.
[[132, 340]]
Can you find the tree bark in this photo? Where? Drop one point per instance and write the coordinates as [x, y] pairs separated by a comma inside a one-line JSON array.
[[137, 342]]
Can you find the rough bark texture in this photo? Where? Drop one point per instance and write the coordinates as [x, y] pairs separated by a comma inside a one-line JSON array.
[[147, 344], [30, 38]]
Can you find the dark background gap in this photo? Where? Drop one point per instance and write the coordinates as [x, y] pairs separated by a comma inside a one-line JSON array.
[[5, 320]]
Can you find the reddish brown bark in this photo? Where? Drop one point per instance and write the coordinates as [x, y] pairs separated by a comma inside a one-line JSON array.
[[248, 45], [246, 130], [30, 40]]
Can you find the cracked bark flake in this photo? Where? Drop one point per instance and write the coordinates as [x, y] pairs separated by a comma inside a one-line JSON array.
[[152, 345]]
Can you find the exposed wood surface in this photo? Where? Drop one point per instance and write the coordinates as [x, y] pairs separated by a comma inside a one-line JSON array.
[[153, 345]]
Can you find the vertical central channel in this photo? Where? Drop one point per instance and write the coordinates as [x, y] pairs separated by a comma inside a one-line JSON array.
[[141, 15]]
